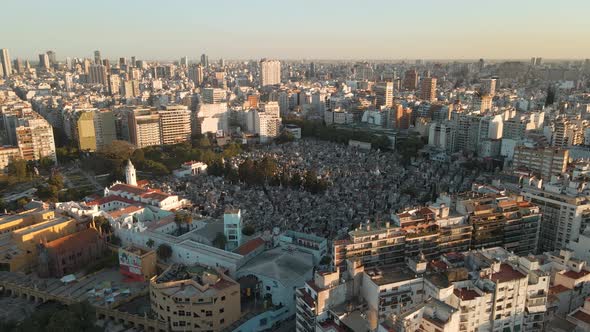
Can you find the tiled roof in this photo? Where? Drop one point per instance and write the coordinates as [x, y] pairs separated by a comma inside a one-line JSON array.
[[576, 275], [506, 273], [74, 241], [113, 198], [249, 246]]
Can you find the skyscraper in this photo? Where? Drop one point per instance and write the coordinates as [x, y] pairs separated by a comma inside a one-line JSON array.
[[18, 66], [184, 61], [97, 59], [411, 79], [204, 60], [97, 74], [6, 65], [383, 94], [52, 58], [428, 91], [195, 74], [175, 124], [488, 86], [43, 61], [270, 72]]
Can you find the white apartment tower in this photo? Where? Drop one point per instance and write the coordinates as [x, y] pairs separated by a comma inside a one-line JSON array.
[[5, 65], [270, 72], [267, 121]]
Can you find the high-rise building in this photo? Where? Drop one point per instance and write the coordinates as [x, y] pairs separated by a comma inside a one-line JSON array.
[[130, 89], [52, 58], [68, 82], [18, 66], [383, 94], [210, 117], [122, 61], [144, 127], [195, 74], [44, 61], [97, 58], [184, 61], [175, 124], [114, 85], [403, 117], [104, 128], [270, 72], [428, 89], [97, 74], [204, 60], [5, 63], [411, 79], [35, 139], [213, 95], [566, 211], [488, 86], [85, 133], [544, 162], [267, 121]]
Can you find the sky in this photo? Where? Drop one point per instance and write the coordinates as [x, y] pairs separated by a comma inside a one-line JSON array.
[[304, 29]]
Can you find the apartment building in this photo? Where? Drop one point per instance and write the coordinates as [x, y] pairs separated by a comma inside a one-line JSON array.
[[267, 121], [144, 127], [195, 298], [565, 206], [509, 222], [175, 124], [544, 161]]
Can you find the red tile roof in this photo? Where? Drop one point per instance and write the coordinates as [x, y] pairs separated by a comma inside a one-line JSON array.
[[558, 289], [113, 198], [126, 210], [74, 241], [506, 273], [249, 246], [582, 316], [465, 294], [576, 275], [128, 188]]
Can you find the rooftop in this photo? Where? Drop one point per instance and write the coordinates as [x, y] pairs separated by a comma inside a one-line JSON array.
[[506, 273], [249, 246], [281, 264]]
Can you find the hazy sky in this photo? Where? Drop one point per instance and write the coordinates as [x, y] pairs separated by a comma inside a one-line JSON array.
[[308, 29]]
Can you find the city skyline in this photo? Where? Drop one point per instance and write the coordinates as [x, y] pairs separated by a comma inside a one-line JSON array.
[[334, 30]]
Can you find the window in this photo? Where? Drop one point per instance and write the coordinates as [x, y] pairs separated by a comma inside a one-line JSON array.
[[221, 310], [223, 298], [180, 312], [221, 321], [208, 313]]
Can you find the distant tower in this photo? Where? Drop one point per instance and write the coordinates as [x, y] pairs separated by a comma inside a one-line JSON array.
[[130, 176]]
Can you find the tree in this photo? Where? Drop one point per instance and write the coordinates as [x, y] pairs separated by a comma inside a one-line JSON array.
[[150, 243], [296, 181], [115, 240], [46, 163], [138, 157], [103, 225], [325, 260], [164, 251], [285, 137], [248, 230], [18, 168], [220, 240]]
